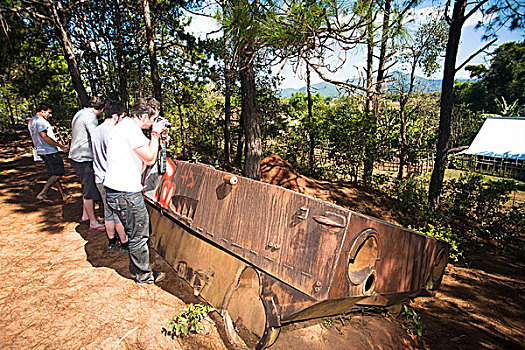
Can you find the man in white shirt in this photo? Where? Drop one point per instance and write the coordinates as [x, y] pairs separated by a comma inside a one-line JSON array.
[[114, 111], [129, 152], [81, 157], [47, 148]]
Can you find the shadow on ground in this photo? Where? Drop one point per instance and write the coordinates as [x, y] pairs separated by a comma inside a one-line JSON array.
[[479, 306]]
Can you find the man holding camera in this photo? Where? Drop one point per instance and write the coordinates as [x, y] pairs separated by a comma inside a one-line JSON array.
[[129, 152]]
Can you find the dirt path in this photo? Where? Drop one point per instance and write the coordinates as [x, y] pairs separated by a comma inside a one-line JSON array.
[[60, 290]]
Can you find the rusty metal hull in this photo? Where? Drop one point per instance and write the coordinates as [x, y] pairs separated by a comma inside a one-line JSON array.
[[267, 256]]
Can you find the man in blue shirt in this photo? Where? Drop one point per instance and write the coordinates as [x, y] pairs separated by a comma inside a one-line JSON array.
[[114, 111], [47, 148]]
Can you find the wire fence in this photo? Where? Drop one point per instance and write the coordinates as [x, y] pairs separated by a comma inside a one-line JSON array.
[[502, 167], [420, 166]]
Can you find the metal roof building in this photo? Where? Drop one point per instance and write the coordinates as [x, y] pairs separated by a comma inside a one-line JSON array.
[[500, 137]]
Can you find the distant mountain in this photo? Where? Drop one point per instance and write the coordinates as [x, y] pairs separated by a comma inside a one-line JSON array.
[[330, 90]]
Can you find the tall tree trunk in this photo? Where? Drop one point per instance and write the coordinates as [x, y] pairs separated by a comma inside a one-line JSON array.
[[240, 138], [382, 54], [56, 11], [447, 89], [251, 122], [227, 114], [402, 151], [121, 58], [370, 149], [155, 79], [310, 121], [182, 142], [240, 142]]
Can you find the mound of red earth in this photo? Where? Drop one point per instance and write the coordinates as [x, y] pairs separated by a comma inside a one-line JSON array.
[[277, 171]]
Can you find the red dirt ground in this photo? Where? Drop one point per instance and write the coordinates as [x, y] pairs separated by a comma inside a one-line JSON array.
[[60, 290]]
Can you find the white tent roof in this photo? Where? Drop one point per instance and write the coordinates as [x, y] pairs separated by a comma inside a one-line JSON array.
[[500, 138]]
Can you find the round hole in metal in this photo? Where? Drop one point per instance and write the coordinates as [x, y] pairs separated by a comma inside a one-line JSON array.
[[360, 268], [370, 282]]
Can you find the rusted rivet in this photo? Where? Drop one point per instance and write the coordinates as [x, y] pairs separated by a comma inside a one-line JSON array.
[[230, 179]]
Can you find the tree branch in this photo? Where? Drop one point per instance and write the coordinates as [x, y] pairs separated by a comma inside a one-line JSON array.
[[471, 12], [475, 54], [336, 82]]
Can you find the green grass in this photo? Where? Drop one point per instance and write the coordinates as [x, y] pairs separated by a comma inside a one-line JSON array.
[[516, 197], [455, 174]]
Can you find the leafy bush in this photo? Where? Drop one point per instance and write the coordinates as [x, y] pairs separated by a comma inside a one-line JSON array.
[[470, 208], [476, 205], [445, 234], [508, 228], [188, 321]]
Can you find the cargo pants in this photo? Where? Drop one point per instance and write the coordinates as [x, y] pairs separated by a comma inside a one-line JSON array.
[[131, 210]]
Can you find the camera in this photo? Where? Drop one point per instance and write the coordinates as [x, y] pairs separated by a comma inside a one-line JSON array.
[[166, 122], [162, 154]]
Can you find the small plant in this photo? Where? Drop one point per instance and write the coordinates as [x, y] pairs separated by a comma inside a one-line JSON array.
[[331, 323], [412, 321], [507, 109], [188, 321]]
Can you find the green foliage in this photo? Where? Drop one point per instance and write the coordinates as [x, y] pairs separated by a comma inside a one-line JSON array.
[[188, 321], [270, 107], [503, 80], [292, 140], [505, 109], [347, 135], [508, 226], [411, 321], [445, 234], [471, 207], [474, 204], [328, 322], [465, 125], [423, 217], [201, 126]]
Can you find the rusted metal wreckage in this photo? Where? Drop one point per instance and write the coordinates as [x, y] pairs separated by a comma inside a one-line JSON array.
[[266, 256]]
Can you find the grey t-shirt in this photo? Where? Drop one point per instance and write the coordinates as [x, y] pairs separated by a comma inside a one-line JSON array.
[[99, 142], [82, 125]]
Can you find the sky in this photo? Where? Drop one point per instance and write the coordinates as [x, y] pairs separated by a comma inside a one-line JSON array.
[[471, 41]]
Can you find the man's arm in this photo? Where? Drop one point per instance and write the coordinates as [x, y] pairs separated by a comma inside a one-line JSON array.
[[148, 153], [91, 124], [49, 140]]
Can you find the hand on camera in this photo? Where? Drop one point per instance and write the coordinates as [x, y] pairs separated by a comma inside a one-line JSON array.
[[159, 127]]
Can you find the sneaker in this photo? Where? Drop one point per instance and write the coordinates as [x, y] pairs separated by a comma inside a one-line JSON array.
[[159, 276], [123, 249], [113, 246], [152, 265]]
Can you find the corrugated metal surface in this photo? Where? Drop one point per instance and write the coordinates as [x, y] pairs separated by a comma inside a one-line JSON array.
[[500, 138]]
